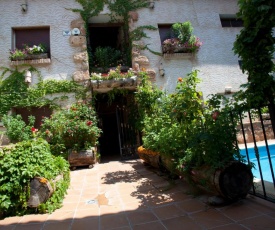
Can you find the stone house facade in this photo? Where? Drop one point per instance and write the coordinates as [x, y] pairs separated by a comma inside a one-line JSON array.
[[218, 66]]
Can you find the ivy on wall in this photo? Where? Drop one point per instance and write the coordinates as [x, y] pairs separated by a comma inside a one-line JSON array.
[[14, 92]]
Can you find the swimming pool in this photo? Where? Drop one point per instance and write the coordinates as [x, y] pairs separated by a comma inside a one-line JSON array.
[[264, 161]]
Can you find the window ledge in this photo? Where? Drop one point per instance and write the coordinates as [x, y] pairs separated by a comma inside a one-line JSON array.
[[32, 62], [178, 55]]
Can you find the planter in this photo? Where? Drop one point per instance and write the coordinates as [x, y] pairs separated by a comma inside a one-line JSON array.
[[150, 157], [36, 56], [232, 182], [82, 158]]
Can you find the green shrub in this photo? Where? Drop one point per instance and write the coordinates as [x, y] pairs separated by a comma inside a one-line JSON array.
[[21, 163], [17, 129], [73, 128]]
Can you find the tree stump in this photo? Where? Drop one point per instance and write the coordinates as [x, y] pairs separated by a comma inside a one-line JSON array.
[[41, 190], [231, 182]]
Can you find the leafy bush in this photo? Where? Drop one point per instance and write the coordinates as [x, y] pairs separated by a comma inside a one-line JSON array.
[[17, 129], [73, 128], [188, 130], [21, 163], [106, 57]]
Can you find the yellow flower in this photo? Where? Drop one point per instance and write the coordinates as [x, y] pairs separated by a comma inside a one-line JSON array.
[[43, 180]]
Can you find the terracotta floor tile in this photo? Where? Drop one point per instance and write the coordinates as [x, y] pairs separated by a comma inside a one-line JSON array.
[[29, 226], [83, 213], [111, 209], [137, 205], [230, 227], [11, 220], [260, 222], [85, 224], [210, 218], [7, 227], [239, 212], [149, 226], [113, 221], [90, 204], [192, 205], [32, 219], [168, 211], [71, 198], [61, 216], [179, 223], [139, 217], [67, 207], [65, 225]]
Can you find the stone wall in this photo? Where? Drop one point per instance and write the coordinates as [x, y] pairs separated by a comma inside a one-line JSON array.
[[258, 132]]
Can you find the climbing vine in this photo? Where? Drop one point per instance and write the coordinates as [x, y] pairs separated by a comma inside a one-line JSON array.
[[14, 92], [255, 46]]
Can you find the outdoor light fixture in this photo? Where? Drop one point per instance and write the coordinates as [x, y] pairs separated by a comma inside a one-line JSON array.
[[152, 5], [28, 77], [161, 70], [228, 90], [24, 7]]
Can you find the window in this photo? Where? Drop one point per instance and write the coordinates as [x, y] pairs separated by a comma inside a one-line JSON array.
[[31, 36], [230, 21], [165, 32]]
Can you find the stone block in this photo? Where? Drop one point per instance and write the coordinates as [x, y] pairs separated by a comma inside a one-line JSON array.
[[81, 75], [133, 15], [141, 60], [151, 73], [77, 40], [81, 57], [78, 23]]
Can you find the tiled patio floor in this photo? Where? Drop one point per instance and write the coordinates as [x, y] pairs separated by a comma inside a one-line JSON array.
[[127, 195]]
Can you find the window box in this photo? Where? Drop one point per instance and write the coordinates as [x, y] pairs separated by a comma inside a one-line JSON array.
[[31, 62]]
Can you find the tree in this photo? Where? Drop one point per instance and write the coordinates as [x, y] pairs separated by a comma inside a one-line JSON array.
[[255, 47]]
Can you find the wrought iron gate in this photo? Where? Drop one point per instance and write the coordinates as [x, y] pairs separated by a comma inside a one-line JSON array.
[[129, 138]]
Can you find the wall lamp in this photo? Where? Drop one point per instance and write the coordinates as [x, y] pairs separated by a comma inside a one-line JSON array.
[[24, 7], [28, 77], [161, 70]]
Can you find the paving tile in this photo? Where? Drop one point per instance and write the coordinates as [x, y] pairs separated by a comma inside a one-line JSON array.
[[67, 207], [7, 227], [260, 222], [58, 225], [110, 209], [113, 221], [71, 198], [11, 220], [139, 217], [29, 226], [168, 211], [149, 226], [179, 223], [210, 218], [85, 224], [61, 216], [33, 219], [230, 227], [137, 205], [239, 211], [192, 205], [83, 213]]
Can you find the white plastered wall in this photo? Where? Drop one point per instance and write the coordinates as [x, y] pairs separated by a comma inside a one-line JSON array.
[[215, 60], [50, 13]]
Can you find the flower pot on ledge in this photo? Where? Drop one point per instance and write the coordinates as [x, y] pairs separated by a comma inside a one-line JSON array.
[[36, 56], [149, 157]]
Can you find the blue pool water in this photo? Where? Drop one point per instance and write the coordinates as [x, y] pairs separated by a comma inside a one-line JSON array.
[[264, 161]]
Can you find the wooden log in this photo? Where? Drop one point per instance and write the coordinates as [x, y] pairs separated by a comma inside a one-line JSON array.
[[41, 190], [231, 182], [82, 158]]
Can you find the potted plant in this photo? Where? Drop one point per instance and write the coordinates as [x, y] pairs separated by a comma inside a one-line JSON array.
[[17, 54], [36, 52], [184, 41], [73, 132]]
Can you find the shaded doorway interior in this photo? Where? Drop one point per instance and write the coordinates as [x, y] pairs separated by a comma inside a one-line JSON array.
[[109, 140]]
